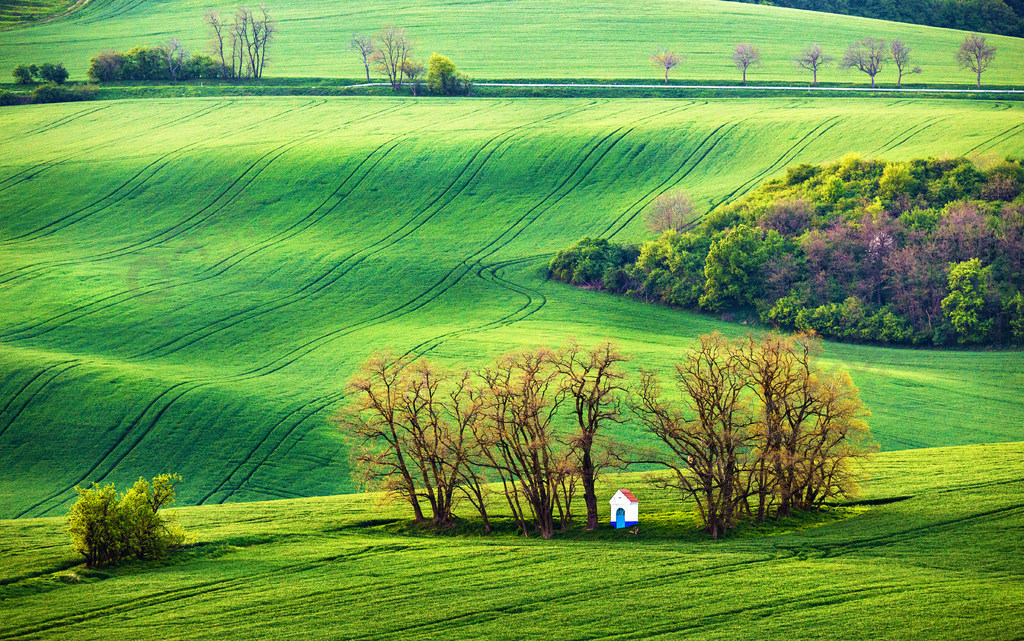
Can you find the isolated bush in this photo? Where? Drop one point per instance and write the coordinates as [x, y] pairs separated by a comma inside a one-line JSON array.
[[444, 78], [107, 528]]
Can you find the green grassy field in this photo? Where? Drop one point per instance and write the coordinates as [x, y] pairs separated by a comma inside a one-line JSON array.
[[17, 13], [935, 554], [516, 38], [187, 284]]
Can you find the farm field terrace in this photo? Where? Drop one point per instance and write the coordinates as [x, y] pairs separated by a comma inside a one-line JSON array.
[[932, 553], [187, 284], [503, 39]]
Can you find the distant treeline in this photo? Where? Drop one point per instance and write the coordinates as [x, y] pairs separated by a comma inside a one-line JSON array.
[[1004, 17], [925, 252]]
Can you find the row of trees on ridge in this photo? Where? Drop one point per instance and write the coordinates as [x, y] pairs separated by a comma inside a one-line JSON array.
[[868, 55], [759, 430]]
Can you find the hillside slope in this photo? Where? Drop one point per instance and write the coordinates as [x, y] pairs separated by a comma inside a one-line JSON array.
[[938, 557], [187, 284], [519, 39]]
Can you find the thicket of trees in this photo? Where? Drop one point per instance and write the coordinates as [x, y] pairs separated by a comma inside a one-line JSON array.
[[239, 49], [169, 61], [928, 252], [1004, 17], [389, 51], [46, 72], [108, 528], [761, 431]]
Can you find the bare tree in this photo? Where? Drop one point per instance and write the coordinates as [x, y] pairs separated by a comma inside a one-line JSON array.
[[746, 56], [414, 425], [250, 35], [901, 58], [366, 46], [173, 54], [593, 381], [667, 59], [671, 210], [867, 55], [813, 59], [218, 28], [975, 54], [520, 400], [413, 71], [707, 437], [393, 49]]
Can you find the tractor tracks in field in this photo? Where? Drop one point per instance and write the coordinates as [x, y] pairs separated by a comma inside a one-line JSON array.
[[105, 302], [475, 262], [139, 427], [34, 171], [9, 414]]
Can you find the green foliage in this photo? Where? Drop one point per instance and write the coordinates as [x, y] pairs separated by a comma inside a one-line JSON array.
[[964, 307], [1013, 307], [147, 63], [55, 73], [8, 98], [107, 529], [733, 269], [23, 75], [443, 78], [57, 93], [589, 260]]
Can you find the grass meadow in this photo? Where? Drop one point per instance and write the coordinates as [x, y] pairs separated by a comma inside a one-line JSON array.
[[503, 39], [932, 552], [209, 329]]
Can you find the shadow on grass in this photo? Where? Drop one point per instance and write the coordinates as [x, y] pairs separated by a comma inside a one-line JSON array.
[[670, 526]]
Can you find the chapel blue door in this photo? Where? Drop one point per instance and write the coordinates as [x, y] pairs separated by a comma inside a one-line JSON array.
[[620, 518]]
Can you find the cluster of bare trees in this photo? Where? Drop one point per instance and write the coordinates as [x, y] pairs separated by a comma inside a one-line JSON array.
[[868, 55], [388, 52], [760, 430], [241, 45]]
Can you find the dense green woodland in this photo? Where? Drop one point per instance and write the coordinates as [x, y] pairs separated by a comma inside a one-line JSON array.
[[988, 16], [929, 252]]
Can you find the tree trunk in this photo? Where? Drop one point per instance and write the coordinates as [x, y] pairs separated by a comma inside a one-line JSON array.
[[744, 75], [872, 82], [589, 493], [979, 78], [666, 75], [814, 76], [367, 65]]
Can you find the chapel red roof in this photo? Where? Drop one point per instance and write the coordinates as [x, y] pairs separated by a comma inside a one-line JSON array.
[[629, 495]]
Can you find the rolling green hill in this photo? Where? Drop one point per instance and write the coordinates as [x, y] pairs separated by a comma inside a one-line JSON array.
[[934, 554], [187, 284], [515, 38]]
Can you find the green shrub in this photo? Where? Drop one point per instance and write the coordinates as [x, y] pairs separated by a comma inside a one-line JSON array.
[[106, 528], [55, 73], [57, 93], [22, 74]]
